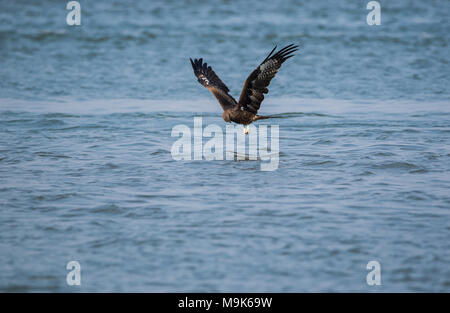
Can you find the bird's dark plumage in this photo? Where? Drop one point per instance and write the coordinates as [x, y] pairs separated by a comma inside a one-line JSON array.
[[210, 80], [245, 110]]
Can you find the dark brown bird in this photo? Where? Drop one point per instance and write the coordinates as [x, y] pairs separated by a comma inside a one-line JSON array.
[[245, 111]]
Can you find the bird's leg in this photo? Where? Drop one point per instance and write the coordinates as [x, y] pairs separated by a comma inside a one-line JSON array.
[[246, 129]]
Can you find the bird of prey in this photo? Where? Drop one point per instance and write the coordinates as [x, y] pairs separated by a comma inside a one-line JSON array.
[[245, 110]]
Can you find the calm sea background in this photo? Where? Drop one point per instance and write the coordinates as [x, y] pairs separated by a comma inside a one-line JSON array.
[[86, 172]]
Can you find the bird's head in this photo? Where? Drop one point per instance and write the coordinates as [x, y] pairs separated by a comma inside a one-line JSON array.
[[226, 116]]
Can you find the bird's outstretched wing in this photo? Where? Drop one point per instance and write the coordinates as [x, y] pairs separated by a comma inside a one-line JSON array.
[[256, 84], [210, 80]]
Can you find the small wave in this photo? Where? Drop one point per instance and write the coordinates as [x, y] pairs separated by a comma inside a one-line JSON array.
[[18, 121], [327, 162], [146, 196], [110, 166], [395, 165], [55, 197], [366, 173], [108, 209], [419, 171], [410, 130], [57, 115], [49, 122], [384, 153], [159, 152], [51, 155], [69, 128], [46, 35], [323, 142]]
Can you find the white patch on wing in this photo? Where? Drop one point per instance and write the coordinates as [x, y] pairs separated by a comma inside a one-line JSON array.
[[266, 65], [203, 77]]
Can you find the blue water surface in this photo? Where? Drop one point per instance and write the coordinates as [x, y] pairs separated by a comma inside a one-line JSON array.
[[87, 174]]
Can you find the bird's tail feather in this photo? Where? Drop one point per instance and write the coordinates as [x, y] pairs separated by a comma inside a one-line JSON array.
[[261, 117]]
